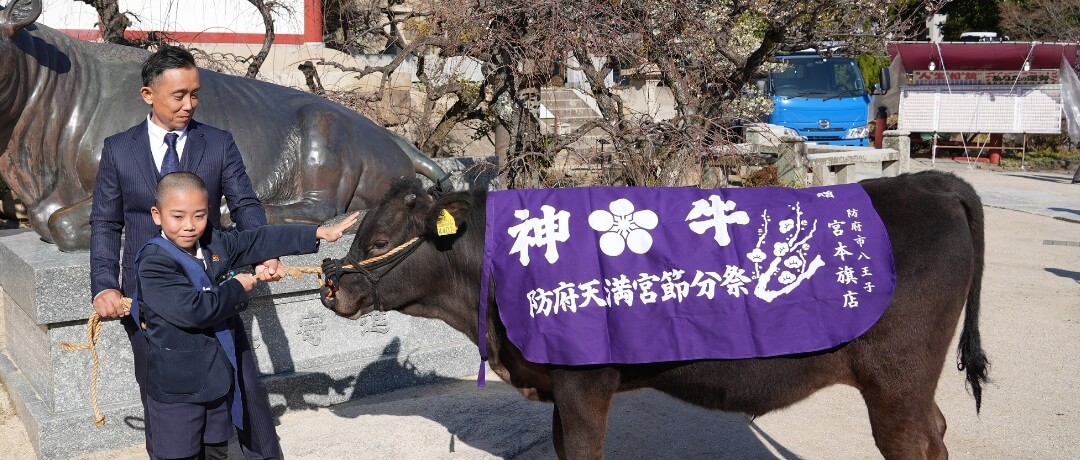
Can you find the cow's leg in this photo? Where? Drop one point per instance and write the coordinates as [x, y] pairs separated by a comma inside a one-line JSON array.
[[70, 226], [557, 433], [906, 426], [582, 399], [941, 424], [325, 179]]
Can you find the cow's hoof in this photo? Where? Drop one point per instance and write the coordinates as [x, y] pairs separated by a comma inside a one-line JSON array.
[[68, 233]]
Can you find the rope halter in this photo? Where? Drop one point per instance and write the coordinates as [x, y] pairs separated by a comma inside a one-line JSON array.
[[334, 269]]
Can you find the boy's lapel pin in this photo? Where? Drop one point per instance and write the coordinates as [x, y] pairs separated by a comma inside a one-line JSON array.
[[215, 258]]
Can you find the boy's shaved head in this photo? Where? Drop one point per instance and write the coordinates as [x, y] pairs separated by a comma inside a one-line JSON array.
[[180, 209], [178, 181]]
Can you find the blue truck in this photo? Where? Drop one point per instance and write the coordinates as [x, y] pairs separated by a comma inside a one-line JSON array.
[[823, 98]]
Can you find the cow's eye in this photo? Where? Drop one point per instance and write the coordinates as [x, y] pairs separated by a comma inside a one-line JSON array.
[[379, 244]]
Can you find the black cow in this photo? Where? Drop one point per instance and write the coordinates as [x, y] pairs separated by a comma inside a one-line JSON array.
[[309, 159], [934, 221]]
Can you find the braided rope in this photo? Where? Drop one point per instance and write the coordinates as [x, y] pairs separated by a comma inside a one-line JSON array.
[[93, 331], [93, 323], [396, 250], [299, 272]]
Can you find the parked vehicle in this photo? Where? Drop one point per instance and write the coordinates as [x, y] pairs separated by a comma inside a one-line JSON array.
[[982, 37], [823, 98]]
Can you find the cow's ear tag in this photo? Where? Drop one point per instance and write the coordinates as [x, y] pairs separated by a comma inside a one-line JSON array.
[[445, 225]]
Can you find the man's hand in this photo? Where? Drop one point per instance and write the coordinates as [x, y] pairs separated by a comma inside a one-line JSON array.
[[271, 270], [247, 280], [109, 304], [333, 232]]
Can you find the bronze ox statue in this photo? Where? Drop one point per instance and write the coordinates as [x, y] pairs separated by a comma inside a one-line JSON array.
[[309, 159]]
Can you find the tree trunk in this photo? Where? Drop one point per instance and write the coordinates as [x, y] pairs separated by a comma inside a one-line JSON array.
[[111, 22]]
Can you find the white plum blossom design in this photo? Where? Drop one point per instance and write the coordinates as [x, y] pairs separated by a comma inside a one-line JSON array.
[[624, 228], [792, 250], [793, 262]]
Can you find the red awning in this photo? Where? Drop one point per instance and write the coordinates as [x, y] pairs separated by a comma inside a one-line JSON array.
[[982, 55]]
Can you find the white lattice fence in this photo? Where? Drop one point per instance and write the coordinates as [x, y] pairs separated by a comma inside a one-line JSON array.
[[983, 109]]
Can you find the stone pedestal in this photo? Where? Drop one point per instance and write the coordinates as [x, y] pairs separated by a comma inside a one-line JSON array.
[[901, 142], [308, 356], [791, 161]]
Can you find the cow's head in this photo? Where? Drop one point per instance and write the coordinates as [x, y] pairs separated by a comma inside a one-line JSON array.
[[403, 259], [17, 15]]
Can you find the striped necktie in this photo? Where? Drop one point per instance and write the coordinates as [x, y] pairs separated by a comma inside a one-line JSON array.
[[171, 162]]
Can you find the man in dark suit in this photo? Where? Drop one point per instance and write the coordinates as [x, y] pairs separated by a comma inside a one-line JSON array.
[[131, 164]]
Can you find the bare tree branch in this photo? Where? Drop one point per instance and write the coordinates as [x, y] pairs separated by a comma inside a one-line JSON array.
[[266, 11]]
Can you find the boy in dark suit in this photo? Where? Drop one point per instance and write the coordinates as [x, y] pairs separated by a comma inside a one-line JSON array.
[[189, 296], [167, 140]]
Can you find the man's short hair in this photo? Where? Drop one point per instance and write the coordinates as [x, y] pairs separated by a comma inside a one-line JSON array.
[[165, 58], [180, 180]]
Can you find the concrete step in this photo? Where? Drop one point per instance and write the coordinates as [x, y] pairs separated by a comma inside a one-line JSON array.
[[578, 103], [568, 102], [568, 125], [573, 112], [558, 94]]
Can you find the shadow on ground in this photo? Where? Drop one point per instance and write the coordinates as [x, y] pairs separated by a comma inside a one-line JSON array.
[[1074, 211], [1075, 276], [501, 422], [1041, 177]]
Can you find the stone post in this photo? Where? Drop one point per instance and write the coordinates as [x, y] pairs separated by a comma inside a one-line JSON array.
[[758, 135], [901, 142], [791, 164]]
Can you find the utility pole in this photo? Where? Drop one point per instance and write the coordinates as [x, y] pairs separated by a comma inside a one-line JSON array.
[[934, 25]]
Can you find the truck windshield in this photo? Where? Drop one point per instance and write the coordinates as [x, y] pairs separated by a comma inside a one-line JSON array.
[[819, 78]]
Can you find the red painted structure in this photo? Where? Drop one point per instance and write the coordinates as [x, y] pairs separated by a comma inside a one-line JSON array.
[[982, 55], [313, 25]]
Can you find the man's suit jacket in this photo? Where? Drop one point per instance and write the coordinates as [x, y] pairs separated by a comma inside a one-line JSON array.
[[126, 180], [186, 363]]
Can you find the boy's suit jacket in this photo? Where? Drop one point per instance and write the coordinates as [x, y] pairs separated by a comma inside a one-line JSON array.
[[186, 363], [126, 180]]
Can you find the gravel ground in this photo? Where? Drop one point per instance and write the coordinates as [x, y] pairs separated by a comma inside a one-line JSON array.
[[1031, 331]]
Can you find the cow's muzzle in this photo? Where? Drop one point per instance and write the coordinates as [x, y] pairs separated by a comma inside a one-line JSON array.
[[373, 269]]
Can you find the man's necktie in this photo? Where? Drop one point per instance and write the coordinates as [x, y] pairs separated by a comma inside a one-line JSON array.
[[171, 162]]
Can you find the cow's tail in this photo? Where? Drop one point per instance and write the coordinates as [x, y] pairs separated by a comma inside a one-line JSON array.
[[971, 357], [423, 164]]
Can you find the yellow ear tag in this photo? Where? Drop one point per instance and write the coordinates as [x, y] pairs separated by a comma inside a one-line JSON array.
[[445, 225]]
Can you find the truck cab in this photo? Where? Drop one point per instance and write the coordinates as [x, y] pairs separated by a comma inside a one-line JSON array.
[[824, 99], [982, 37]]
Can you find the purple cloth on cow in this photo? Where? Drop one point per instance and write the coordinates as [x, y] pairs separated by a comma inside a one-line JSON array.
[[638, 275]]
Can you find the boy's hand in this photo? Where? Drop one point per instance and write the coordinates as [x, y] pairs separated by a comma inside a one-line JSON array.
[[247, 280], [334, 232], [271, 270]]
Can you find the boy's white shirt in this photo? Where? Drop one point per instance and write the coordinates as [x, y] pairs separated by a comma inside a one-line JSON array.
[[198, 253]]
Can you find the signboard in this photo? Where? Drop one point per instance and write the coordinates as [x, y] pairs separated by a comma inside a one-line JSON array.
[[985, 77]]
